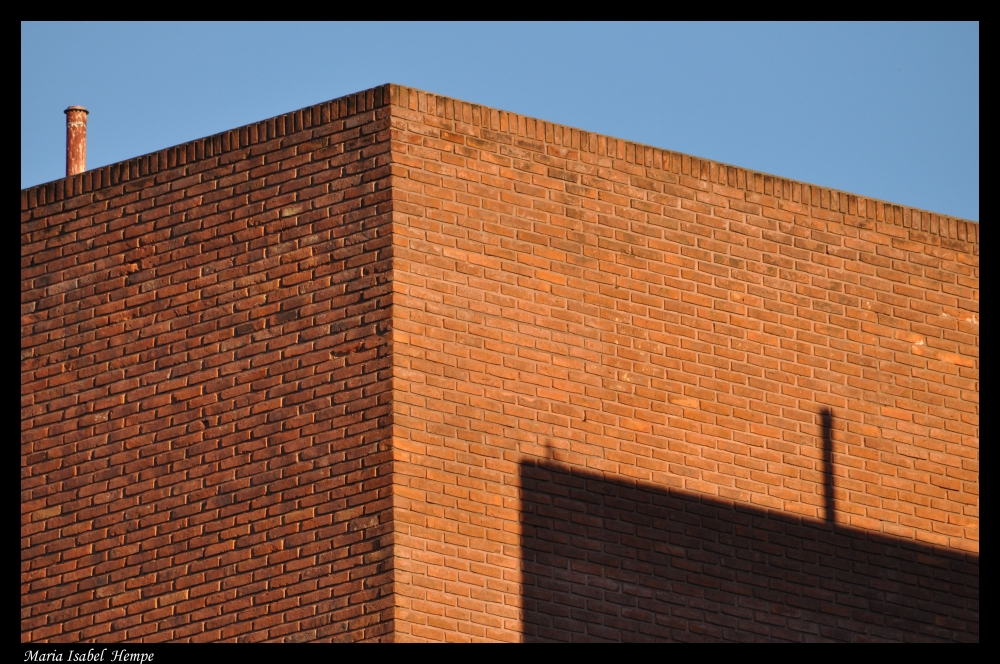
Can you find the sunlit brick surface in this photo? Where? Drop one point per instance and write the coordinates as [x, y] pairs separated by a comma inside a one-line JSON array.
[[678, 324]]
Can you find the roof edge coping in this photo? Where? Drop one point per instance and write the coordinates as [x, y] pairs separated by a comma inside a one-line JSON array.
[[502, 122]]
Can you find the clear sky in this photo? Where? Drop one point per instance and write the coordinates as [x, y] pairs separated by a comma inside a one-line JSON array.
[[888, 110]]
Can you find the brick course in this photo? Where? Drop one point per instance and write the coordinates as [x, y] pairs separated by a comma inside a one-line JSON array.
[[402, 367], [206, 389]]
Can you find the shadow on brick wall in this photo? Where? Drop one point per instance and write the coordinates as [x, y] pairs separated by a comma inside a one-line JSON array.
[[826, 421], [607, 561]]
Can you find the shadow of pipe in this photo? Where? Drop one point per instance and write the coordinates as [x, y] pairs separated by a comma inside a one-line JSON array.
[[826, 417], [609, 559]]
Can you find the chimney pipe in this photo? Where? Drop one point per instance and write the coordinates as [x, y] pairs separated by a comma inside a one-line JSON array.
[[76, 140]]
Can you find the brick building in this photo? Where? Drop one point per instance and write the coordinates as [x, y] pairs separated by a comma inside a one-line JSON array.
[[401, 367]]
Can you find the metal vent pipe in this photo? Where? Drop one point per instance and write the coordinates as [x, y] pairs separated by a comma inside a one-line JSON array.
[[76, 140]]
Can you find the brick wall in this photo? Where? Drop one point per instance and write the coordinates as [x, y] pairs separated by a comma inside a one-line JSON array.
[[205, 389], [639, 395], [403, 367]]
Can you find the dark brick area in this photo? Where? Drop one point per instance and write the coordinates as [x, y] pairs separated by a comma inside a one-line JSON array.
[[205, 390], [615, 560]]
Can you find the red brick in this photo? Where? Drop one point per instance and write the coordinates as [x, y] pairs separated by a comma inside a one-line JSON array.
[[458, 374]]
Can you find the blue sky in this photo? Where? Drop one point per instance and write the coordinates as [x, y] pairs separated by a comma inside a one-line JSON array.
[[888, 110]]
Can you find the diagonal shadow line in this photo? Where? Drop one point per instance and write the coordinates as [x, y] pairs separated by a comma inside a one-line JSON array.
[[607, 559]]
